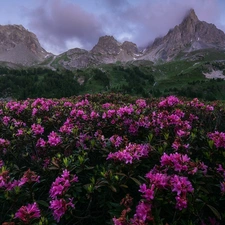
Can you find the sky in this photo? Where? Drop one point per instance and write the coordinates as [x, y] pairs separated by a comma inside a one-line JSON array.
[[64, 24]]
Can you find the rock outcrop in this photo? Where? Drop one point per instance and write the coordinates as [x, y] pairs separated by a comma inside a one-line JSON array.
[[192, 34], [19, 46], [107, 50]]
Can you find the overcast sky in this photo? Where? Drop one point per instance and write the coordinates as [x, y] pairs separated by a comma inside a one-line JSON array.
[[64, 24]]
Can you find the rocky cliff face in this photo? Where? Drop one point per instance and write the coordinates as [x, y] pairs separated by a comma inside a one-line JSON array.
[[107, 50], [19, 46], [192, 34]]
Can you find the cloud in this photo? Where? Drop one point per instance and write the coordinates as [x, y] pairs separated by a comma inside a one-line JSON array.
[[113, 4], [145, 20], [58, 23]]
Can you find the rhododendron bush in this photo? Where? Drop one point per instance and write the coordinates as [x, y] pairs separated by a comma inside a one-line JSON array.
[[112, 159]]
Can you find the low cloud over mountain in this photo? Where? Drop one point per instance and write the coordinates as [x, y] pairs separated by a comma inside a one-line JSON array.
[[62, 24]]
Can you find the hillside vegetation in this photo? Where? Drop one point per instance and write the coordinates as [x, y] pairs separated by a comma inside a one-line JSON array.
[[112, 159], [141, 78]]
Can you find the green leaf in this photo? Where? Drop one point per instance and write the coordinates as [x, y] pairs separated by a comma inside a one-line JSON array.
[[113, 188], [211, 142], [124, 186], [214, 210], [44, 203], [136, 181]]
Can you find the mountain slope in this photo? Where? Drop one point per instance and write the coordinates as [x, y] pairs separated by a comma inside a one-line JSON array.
[[191, 35], [19, 46], [107, 50], [187, 41]]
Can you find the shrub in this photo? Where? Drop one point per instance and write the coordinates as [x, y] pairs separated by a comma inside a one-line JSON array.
[[112, 159]]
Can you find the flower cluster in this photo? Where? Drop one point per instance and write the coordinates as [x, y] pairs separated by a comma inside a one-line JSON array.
[[169, 101], [116, 140], [37, 129], [111, 141], [54, 139], [27, 213], [218, 138], [132, 152], [59, 187]]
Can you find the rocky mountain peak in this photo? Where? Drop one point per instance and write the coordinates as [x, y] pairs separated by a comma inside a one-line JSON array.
[[130, 47], [18, 45], [191, 15], [190, 35], [106, 45]]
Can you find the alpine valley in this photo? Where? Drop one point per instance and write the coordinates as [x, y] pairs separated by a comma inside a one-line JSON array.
[[189, 60]]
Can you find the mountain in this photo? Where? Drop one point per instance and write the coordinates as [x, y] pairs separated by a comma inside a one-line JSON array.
[[191, 35], [190, 40], [107, 50], [19, 46]]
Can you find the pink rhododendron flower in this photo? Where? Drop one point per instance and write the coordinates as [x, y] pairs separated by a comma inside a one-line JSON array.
[[178, 162], [130, 153], [62, 184], [20, 132], [5, 120], [169, 101], [41, 143], [116, 140], [218, 139], [53, 139], [29, 177], [126, 110], [106, 105], [141, 103], [27, 213], [159, 180], [37, 129], [181, 202], [4, 142], [181, 185], [148, 193], [59, 207], [143, 213], [34, 111]]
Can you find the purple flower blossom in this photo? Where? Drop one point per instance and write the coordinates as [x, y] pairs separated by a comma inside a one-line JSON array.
[[130, 153], [27, 213], [177, 161], [141, 103], [5, 120], [62, 184], [218, 139], [41, 143], [54, 139], [169, 101], [143, 213], [20, 132], [59, 207], [148, 193], [116, 140], [4, 143], [159, 180], [37, 129], [181, 185]]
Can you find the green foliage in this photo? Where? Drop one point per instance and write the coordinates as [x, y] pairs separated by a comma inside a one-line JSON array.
[[37, 82], [88, 128]]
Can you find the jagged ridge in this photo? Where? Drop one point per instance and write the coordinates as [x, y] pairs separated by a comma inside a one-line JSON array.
[[192, 34], [18, 45]]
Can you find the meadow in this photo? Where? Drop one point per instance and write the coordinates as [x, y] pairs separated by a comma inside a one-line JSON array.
[[112, 159]]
